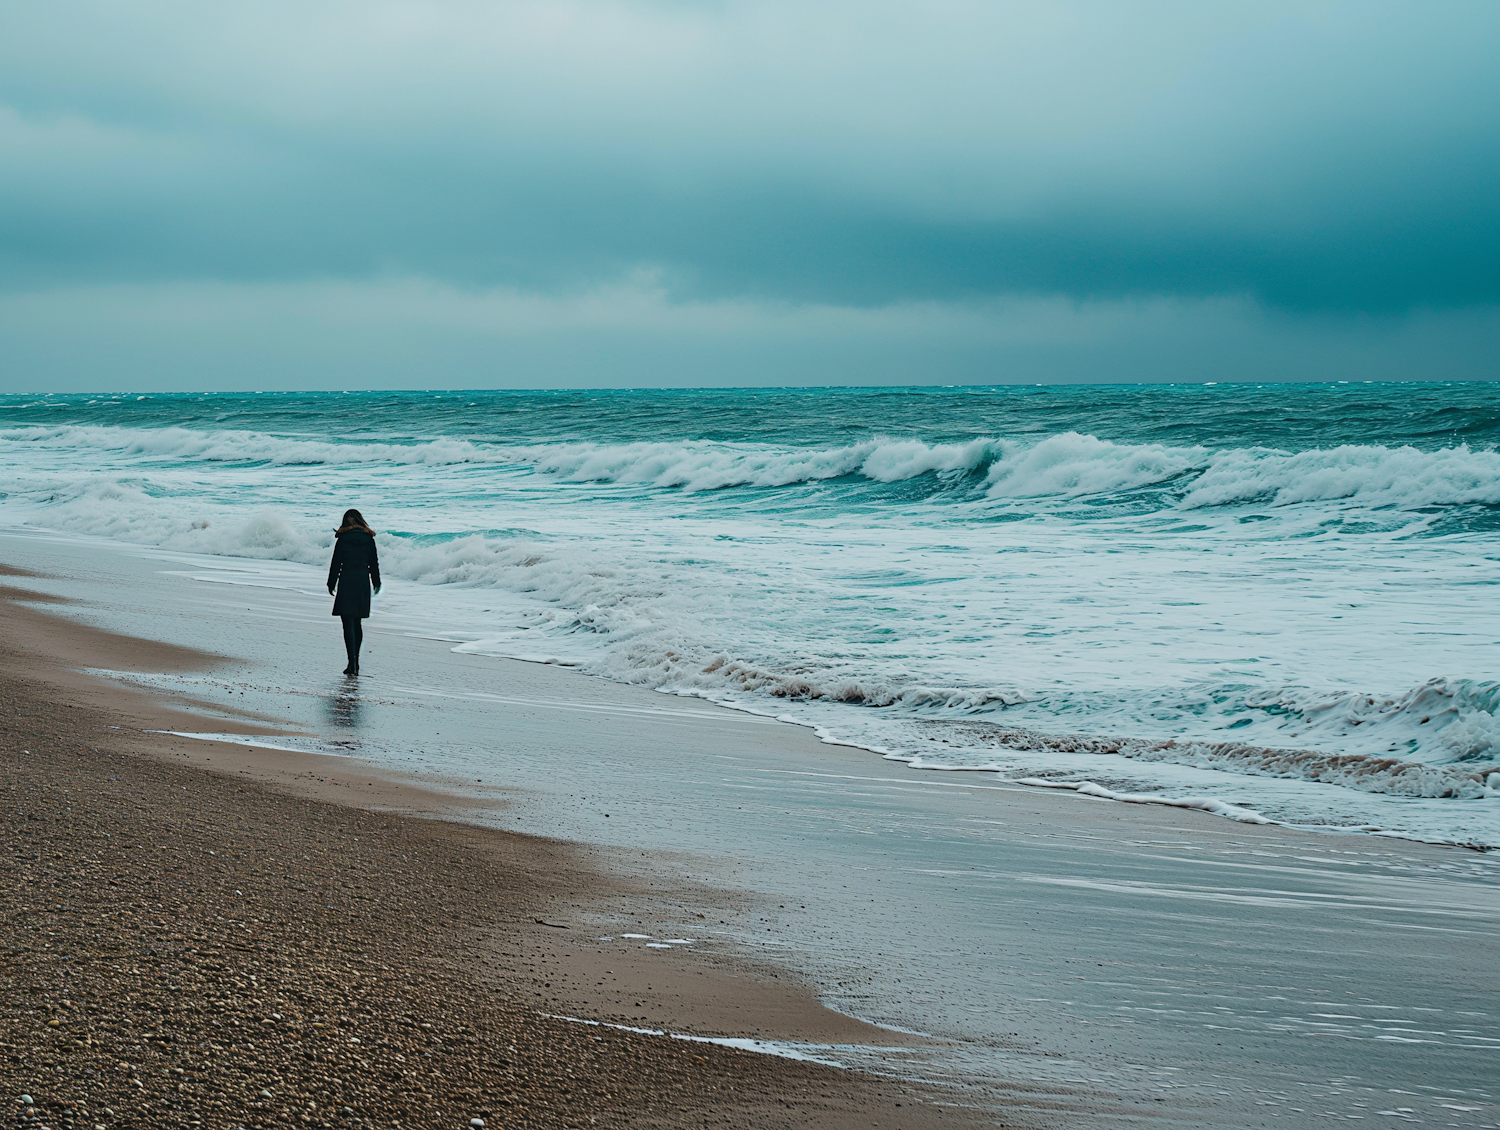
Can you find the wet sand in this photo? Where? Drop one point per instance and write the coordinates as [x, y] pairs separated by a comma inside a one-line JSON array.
[[1084, 962], [204, 934]]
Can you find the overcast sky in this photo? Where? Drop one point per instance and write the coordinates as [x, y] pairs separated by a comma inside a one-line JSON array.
[[205, 195]]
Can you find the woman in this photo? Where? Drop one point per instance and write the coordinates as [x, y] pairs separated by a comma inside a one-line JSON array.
[[354, 569]]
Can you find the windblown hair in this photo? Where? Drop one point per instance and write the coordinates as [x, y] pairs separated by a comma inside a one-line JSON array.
[[354, 520]]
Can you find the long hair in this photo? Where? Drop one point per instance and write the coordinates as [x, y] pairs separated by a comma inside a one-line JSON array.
[[354, 520]]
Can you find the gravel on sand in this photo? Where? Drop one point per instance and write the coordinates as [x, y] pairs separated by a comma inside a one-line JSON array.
[[180, 947]]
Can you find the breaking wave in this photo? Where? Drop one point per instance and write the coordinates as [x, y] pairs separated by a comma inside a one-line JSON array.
[[1388, 775], [239, 447], [805, 613], [1064, 466]]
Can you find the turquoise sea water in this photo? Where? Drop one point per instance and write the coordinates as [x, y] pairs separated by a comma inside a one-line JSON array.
[[1270, 601]]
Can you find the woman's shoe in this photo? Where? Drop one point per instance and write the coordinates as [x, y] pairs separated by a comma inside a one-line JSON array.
[[351, 670]]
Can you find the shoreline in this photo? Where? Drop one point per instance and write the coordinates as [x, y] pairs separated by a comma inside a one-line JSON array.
[[72, 726], [1083, 961], [1247, 811]]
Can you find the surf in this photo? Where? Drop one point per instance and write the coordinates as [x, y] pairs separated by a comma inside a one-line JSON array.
[[1135, 603]]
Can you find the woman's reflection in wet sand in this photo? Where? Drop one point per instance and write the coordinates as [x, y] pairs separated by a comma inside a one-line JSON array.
[[344, 706]]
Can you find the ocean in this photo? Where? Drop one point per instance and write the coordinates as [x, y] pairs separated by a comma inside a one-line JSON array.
[[1272, 602]]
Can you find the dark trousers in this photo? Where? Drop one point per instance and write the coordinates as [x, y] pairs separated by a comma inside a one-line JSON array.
[[354, 635]]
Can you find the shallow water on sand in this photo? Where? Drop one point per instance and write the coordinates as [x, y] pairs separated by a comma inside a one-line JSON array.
[[1110, 961], [1273, 602]]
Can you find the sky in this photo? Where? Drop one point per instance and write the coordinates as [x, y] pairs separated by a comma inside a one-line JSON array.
[[446, 194]]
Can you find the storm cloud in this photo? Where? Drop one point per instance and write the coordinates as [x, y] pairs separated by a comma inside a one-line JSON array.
[[1286, 176]]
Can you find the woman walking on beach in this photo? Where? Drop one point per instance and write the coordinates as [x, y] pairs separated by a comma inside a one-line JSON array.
[[354, 570]]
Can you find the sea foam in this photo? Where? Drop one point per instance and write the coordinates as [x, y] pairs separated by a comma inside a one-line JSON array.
[[1004, 603], [1065, 466]]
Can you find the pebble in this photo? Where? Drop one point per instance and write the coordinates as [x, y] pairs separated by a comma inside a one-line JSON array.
[[299, 941], [27, 1100]]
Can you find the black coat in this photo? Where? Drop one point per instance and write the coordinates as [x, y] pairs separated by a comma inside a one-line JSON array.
[[355, 567]]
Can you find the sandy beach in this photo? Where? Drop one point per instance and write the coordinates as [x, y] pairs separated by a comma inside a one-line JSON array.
[[703, 872], [251, 944], [749, 564], [650, 564]]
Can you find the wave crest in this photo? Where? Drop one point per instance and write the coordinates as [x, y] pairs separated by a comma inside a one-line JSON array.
[[1064, 467], [248, 447], [1377, 477], [702, 465], [1392, 776]]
